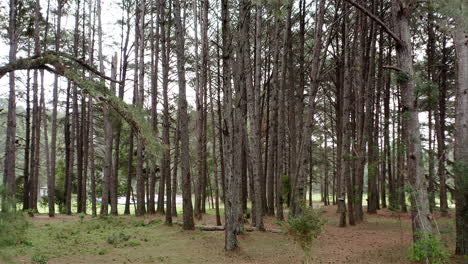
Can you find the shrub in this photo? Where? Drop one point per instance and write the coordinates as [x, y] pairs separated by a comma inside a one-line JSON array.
[[13, 228], [117, 238], [39, 258], [82, 216], [428, 248], [304, 229]]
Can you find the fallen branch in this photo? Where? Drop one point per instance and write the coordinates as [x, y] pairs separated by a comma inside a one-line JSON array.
[[221, 228]]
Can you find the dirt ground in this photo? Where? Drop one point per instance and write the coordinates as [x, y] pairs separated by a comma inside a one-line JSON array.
[[380, 238]]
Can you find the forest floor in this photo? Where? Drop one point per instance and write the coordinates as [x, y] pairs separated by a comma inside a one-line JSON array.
[[381, 238]]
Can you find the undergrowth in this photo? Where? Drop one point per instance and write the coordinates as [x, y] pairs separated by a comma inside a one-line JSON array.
[[304, 229], [429, 249]]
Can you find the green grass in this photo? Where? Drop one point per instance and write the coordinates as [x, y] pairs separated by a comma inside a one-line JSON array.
[[129, 239], [73, 237]]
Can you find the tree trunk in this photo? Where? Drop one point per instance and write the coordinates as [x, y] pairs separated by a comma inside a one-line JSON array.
[[440, 129], [461, 136], [154, 101], [176, 167], [139, 48], [92, 156], [9, 178], [53, 147], [165, 82], [36, 128], [185, 151], [253, 95], [422, 225], [113, 179]]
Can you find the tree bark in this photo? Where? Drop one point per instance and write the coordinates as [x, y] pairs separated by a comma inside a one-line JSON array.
[[421, 217], [461, 136], [139, 49], [9, 178], [185, 151]]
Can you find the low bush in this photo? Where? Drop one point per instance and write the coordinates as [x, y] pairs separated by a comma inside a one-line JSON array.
[[304, 229], [429, 249]]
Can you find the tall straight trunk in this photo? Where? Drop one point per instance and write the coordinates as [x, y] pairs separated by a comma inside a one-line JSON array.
[[113, 179], [118, 123], [461, 136], [440, 116], [325, 172], [388, 158], [43, 113], [242, 78], [130, 171], [68, 152], [298, 183], [53, 146], [216, 170], [201, 89], [188, 223], [166, 166], [254, 101], [372, 140], [166, 170], [27, 144], [219, 118], [401, 164], [232, 179], [421, 218], [154, 99], [9, 177], [122, 76], [91, 156], [343, 120], [273, 129], [107, 170], [36, 129], [89, 159], [85, 146], [175, 168], [431, 188], [281, 168], [139, 50], [431, 143], [430, 53], [165, 82]]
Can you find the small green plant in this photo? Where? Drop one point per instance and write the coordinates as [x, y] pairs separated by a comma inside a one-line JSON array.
[[39, 258], [13, 228], [132, 243], [30, 212], [117, 238], [102, 251], [402, 78], [304, 229], [82, 216], [428, 248]]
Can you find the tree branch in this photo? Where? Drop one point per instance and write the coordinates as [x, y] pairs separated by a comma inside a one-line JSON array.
[[65, 65], [390, 67], [378, 20]]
